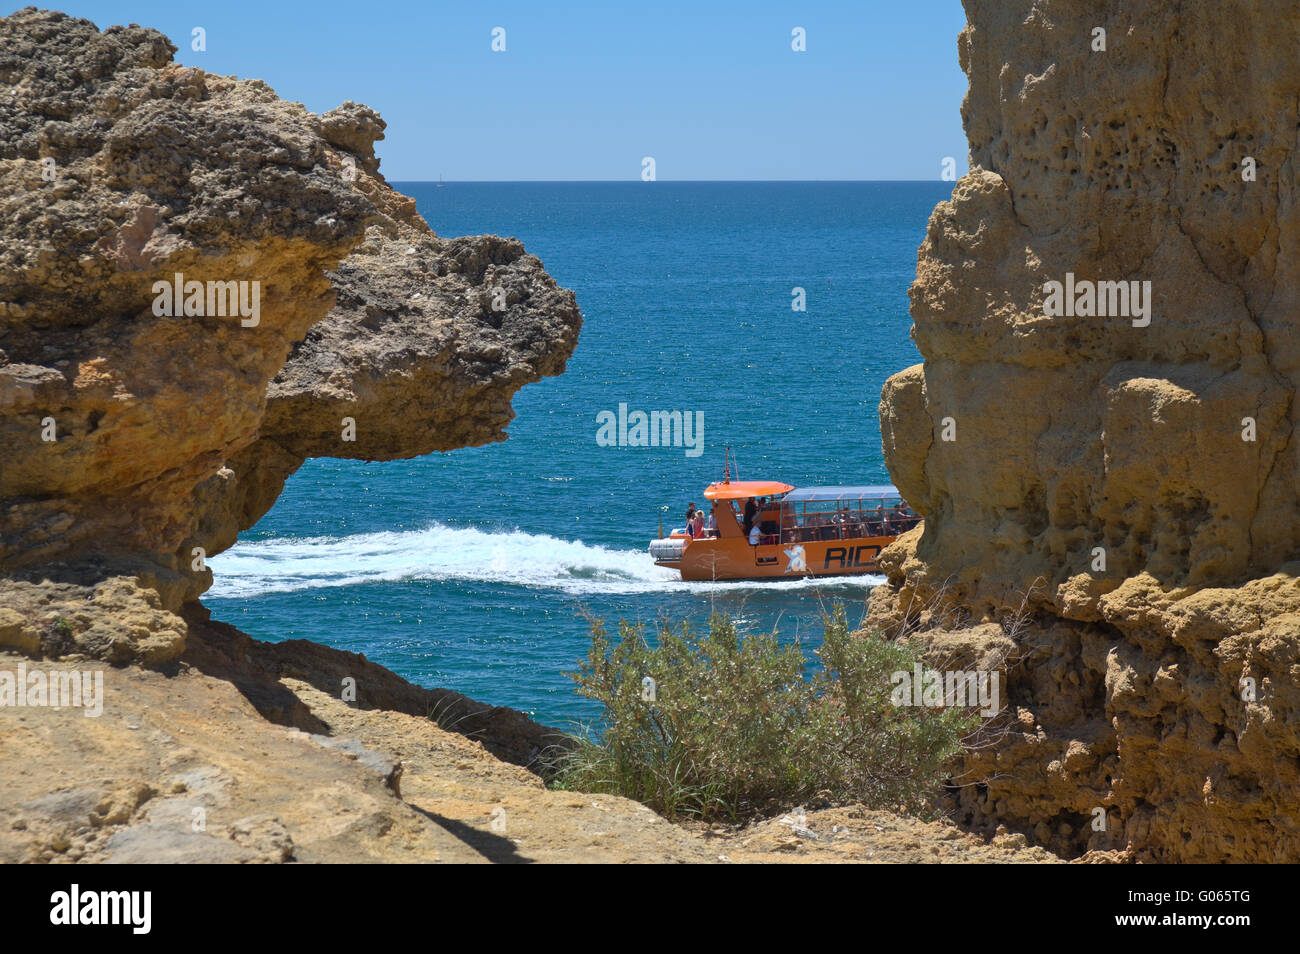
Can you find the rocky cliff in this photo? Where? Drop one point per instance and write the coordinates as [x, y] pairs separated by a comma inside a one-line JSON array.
[[201, 285], [1112, 498]]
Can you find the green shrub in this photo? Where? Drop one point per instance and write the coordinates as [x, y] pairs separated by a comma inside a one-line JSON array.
[[736, 728]]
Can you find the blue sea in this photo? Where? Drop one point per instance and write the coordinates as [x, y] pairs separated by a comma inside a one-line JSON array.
[[476, 570]]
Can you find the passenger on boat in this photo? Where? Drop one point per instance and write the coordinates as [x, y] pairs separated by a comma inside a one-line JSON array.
[[697, 525], [711, 528], [755, 534], [690, 515], [751, 509]]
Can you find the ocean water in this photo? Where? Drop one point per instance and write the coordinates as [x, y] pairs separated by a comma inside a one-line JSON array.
[[476, 570]]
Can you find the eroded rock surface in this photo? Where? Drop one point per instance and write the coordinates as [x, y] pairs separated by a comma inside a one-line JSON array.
[[1123, 501], [131, 439]]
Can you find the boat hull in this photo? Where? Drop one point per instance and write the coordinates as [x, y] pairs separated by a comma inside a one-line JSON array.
[[735, 559]]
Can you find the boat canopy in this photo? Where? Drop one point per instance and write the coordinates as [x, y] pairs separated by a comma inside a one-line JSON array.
[[740, 489], [810, 494]]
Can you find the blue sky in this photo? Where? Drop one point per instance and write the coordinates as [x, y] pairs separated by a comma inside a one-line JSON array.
[[585, 90]]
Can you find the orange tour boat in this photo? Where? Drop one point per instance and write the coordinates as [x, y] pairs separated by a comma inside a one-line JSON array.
[[761, 529]]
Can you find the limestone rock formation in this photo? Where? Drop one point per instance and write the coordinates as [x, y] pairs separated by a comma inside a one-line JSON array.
[[1120, 497], [143, 429]]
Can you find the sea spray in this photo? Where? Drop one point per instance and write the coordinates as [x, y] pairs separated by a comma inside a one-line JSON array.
[[442, 552]]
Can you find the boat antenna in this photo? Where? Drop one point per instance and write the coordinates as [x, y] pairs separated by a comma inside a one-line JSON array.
[[726, 466]]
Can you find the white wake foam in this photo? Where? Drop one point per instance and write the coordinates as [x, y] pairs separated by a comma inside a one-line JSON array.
[[441, 552]]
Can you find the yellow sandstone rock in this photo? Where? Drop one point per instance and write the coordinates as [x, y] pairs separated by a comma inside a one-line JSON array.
[[1124, 500]]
